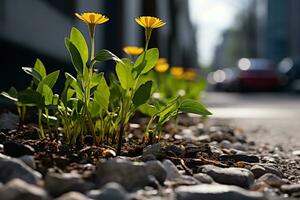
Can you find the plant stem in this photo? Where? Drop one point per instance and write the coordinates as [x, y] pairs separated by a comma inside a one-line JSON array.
[[42, 135]]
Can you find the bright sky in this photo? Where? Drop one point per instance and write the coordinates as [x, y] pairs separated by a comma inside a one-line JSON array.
[[212, 17]]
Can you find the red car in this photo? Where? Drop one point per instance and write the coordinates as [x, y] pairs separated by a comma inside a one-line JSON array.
[[257, 74]]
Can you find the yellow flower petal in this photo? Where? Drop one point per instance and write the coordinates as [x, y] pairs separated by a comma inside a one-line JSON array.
[[149, 22], [133, 50], [190, 74], [177, 72], [92, 18], [161, 65]]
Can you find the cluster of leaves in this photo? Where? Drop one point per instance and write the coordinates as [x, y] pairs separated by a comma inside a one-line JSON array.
[[91, 105]]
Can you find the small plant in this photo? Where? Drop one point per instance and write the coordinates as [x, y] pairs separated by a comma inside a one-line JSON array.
[[91, 105]]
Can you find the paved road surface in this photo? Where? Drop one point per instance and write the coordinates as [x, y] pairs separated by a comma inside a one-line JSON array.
[[267, 117]]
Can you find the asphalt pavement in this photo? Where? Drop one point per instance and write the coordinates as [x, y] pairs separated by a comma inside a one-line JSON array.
[[266, 117]]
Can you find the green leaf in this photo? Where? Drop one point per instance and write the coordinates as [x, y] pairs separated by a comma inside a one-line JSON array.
[[124, 76], [105, 55], [147, 109], [102, 94], [78, 40], [193, 106], [142, 94], [94, 109], [167, 112], [51, 79], [31, 98], [33, 72], [96, 78], [46, 92], [75, 56], [40, 68], [150, 61]]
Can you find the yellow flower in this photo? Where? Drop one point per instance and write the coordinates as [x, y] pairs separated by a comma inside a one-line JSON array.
[[133, 50], [177, 72], [161, 65], [92, 18], [149, 22], [190, 74]]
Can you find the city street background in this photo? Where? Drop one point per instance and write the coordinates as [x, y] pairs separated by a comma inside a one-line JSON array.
[[267, 117]]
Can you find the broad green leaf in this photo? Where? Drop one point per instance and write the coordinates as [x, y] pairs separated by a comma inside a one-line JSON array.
[[39, 67], [167, 112], [193, 106], [96, 78], [75, 56], [127, 62], [51, 79], [70, 93], [33, 72], [147, 109], [105, 55], [46, 92], [31, 98], [124, 76], [78, 40], [79, 92], [142, 94], [102, 94], [150, 61], [94, 109]]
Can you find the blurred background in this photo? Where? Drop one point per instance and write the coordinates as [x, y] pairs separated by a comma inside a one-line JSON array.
[[245, 45]]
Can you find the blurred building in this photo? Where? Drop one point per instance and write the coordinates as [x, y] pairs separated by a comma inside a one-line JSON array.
[[36, 29], [278, 29], [267, 29]]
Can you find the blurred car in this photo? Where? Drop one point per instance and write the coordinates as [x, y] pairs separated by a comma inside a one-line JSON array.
[[251, 74], [290, 70]]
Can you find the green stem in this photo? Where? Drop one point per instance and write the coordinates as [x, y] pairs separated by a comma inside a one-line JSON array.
[[92, 48], [42, 135]]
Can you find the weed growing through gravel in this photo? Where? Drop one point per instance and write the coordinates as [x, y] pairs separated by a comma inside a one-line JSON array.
[[91, 105]]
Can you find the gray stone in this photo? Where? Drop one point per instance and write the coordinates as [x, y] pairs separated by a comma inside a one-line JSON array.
[[229, 176], [273, 170], [240, 157], [294, 188], [215, 192], [58, 184], [110, 191], [175, 150], [18, 189], [203, 178], [153, 151], [225, 144], [156, 169], [11, 168], [259, 170], [9, 121], [171, 169], [72, 196], [271, 180], [175, 178], [131, 175], [28, 160]]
